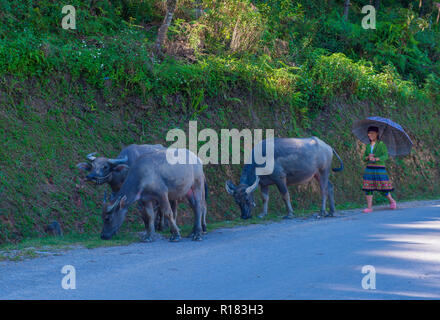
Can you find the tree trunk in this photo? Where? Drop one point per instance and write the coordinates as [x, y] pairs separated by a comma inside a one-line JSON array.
[[437, 5], [199, 10], [376, 4], [425, 7], [346, 8], [162, 34]]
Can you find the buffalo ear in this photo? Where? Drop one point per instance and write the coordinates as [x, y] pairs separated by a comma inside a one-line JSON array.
[[84, 166], [122, 202], [230, 188], [120, 167]]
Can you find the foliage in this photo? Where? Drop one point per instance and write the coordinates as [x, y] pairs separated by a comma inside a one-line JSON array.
[[336, 75], [234, 25], [263, 63]]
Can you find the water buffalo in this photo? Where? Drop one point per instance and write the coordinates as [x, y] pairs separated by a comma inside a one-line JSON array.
[[296, 160], [152, 178], [114, 171]]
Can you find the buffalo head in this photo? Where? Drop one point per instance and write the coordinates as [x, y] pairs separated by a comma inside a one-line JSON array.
[[113, 215], [243, 196], [100, 169]]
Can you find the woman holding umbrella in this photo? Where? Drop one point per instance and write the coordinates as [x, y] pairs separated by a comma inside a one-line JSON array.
[[375, 176], [382, 137]]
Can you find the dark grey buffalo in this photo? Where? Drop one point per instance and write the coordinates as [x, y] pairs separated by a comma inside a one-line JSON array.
[[152, 178], [114, 171], [296, 161]]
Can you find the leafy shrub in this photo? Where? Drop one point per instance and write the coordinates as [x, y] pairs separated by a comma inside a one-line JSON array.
[[336, 75], [234, 25], [432, 87]]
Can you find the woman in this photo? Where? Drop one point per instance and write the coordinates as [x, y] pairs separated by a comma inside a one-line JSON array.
[[375, 175]]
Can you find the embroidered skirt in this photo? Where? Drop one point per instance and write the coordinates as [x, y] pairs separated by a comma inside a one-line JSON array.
[[376, 178]]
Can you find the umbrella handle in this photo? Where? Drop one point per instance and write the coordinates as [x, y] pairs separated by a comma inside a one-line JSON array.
[[386, 127]]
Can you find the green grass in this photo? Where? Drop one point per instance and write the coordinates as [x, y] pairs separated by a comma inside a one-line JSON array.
[[30, 247], [64, 94], [42, 184]]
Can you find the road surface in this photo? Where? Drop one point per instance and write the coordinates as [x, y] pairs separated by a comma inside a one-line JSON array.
[[294, 259]]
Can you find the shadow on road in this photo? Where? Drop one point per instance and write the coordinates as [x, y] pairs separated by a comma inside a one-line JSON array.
[[408, 260]]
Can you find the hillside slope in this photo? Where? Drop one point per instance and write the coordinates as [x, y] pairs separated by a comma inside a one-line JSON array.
[[66, 94]]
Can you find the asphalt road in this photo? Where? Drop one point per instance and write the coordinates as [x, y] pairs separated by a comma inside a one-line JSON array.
[[295, 259]]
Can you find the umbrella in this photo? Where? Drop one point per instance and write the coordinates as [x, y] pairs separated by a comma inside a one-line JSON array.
[[396, 139]]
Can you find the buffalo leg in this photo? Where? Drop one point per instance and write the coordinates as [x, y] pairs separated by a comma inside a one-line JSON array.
[[205, 209], [164, 222], [204, 212], [160, 222], [174, 208], [197, 230], [144, 215], [199, 214], [148, 217], [282, 187], [158, 217], [165, 207], [192, 203], [322, 178], [265, 198], [331, 198], [196, 202]]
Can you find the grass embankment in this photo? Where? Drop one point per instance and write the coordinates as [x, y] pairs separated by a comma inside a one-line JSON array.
[[66, 94]]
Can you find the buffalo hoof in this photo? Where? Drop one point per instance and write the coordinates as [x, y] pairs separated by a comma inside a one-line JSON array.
[[325, 214], [330, 215], [105, 236], [197, 237], [147, 239], [175, 238]]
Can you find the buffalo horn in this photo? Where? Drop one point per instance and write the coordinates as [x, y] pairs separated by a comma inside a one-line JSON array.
[[91, 156], [111, 206], [252, 187], [118, 161]]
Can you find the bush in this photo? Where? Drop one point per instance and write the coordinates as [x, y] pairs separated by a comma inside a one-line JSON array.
[[432, 87], [336, 75], [234, 25]]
